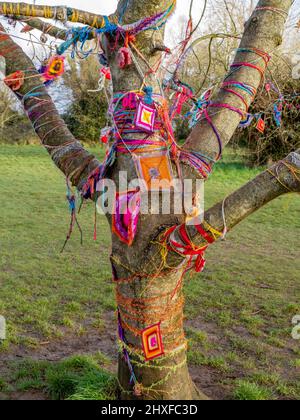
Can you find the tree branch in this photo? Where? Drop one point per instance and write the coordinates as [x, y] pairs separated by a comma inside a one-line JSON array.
[[263, 31], [44, 27], [60, 13], [136, 9], [48, 28], [67, 153], [282, 178]]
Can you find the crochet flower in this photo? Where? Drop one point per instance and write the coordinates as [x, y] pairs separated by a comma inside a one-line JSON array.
[[54, 69], [15, 80]]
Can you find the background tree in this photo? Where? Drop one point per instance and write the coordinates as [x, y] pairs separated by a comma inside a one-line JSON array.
[[211, 55], [86, 115], [142, 276], [14, 126], [276, 141]]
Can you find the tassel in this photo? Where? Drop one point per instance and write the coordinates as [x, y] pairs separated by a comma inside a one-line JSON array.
[[106, 73], [148, 98], [104, 139], [278, 113], [72, 207]]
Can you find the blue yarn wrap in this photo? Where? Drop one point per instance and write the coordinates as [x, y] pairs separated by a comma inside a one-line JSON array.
[[108, 28], [75, 35]]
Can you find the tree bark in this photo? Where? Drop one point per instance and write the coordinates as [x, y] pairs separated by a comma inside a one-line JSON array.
[[142, 302], [48, 28], [67, 153], [147, 292], [282, 178], [61, 13]]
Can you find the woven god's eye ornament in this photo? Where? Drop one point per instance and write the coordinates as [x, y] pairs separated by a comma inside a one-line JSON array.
[[152, 342], [146, 112], [145, 118], [155, 169], [261, 125]]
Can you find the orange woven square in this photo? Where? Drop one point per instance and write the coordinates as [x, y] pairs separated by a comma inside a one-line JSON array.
[[155, 170], [152, 342]]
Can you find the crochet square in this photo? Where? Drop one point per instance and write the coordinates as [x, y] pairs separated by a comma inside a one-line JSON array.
[[145, 118], [156, 170], [152, 342]]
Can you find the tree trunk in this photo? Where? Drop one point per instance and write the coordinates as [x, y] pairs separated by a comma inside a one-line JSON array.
[[142, 303], [147, 292]]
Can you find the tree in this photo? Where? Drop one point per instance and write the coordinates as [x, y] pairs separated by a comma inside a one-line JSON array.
[[14, 126], [5, 107], [147, 288], [277, 139], [87, 113]]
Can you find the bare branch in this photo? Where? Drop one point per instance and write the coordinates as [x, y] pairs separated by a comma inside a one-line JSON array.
[[49, 29], [282, 178], [230, 15], [67, 153], [44, 27], [263, 31], [60, 13]]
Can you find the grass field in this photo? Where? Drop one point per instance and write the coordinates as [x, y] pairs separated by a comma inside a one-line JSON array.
[[60, 307]]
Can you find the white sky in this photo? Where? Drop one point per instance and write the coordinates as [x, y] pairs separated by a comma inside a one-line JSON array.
[[105, 6]]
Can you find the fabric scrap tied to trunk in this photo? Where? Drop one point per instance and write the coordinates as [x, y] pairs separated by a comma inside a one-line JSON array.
[[126, 215]]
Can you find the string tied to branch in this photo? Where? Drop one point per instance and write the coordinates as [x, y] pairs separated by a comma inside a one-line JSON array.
[[74, 221]]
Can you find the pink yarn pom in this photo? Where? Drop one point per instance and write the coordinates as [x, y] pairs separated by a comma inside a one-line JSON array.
[[129, 102], [124, 58]]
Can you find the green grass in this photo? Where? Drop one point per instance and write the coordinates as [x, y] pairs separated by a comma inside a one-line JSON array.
[[239, 310], [247, 391], [43, 292], [76, 378]]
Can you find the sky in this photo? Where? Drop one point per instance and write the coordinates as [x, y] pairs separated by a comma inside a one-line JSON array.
[[105, 6]]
